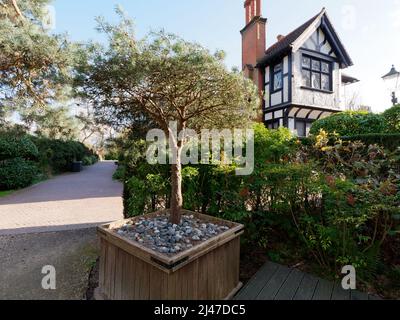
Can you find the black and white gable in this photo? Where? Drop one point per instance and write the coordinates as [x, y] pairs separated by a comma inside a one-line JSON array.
[[303, 75], [321, 37]]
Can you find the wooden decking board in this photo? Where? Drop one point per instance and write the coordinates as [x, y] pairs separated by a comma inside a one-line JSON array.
[[277, 282], [323, 291], [255, 285], [339, 293], [273, 286], [307, 288], [357, 295], [291, 285]]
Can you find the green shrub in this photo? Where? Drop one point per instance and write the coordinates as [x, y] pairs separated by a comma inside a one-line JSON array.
[[89, 160], [392, 118], [390, 141], [336, 202], [13, 147], [350, 123], [58, 155], [17, 173], [119, 174], [112, 156]]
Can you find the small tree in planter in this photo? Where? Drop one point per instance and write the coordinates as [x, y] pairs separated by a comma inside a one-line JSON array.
[[163, 79]]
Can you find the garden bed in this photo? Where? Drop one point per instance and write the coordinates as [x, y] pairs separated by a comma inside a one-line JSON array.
[[206, 269]]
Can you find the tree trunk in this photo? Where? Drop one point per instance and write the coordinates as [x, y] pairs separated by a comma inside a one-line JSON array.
[[176, 189]]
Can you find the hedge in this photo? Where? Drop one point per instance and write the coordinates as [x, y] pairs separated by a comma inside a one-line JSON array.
[[392, 118], [58, 155], [389, 141], [17, 173], [90, 160], [13, 147], [24, 157], [351, 123]]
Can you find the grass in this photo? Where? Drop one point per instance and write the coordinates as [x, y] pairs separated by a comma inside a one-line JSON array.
[[5, 193], [40, 178]]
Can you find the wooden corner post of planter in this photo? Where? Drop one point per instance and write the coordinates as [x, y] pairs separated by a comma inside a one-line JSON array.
[[208, 271]]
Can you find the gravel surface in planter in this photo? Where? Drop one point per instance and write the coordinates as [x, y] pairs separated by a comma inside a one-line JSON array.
[[159, 235]]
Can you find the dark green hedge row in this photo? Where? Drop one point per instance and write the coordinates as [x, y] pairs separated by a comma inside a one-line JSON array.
[[17, 173], [23, 158], [392, 118], [390, 141], [13, 147], [58, 155], [311, 202], [351, 123]]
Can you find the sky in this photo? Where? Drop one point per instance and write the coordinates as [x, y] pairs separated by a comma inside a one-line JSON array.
[[369, 29]]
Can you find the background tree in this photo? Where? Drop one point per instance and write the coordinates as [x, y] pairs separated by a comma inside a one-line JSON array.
[[34, 64], [392, 118], [53, 122], [164, 78]]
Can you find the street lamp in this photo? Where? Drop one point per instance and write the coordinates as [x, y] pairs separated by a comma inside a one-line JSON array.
[[392, 80]]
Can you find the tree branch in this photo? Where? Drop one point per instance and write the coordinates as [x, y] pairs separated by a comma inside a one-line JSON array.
[[17, 9]]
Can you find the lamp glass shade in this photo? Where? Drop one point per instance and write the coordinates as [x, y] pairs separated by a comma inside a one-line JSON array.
[[393, 74]]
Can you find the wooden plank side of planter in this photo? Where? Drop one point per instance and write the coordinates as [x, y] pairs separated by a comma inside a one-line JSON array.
[[212, 276], [203, 278], [109, 270], [103, 255], [129, 273], [165, 262]]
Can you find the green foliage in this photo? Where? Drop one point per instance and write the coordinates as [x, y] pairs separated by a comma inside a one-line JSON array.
[[34, 64], [24, 158], [145, 193], [336, 201], [392, 118], [170, 66], [391, 141], [52, 123], [185, 84], [5, 193], [350, 123], [89, 160], [120, 173], [17, 170], [57, 155], [272, 145], [360, 200], [17, 173], [13, 146]]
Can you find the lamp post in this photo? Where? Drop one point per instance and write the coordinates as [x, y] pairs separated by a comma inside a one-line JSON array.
[[392, 80]]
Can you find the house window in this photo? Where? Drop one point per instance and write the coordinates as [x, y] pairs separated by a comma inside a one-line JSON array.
[[277, 83], [316, 73], [274, 124], [303, 128]]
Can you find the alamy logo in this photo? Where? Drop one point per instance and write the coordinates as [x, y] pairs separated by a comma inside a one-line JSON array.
[[211, 146], [349, 281], [49, 280]]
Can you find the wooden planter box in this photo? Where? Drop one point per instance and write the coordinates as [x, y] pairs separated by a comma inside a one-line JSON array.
[[208, 271]]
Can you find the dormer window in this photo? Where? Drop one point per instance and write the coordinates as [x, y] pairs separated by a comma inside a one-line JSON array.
[[277, 83], [316, 73]]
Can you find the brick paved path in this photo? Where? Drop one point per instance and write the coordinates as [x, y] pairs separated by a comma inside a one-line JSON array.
[[53, 224], [67, 202]]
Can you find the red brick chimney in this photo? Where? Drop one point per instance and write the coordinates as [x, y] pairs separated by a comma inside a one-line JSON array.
[[253, 41]]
